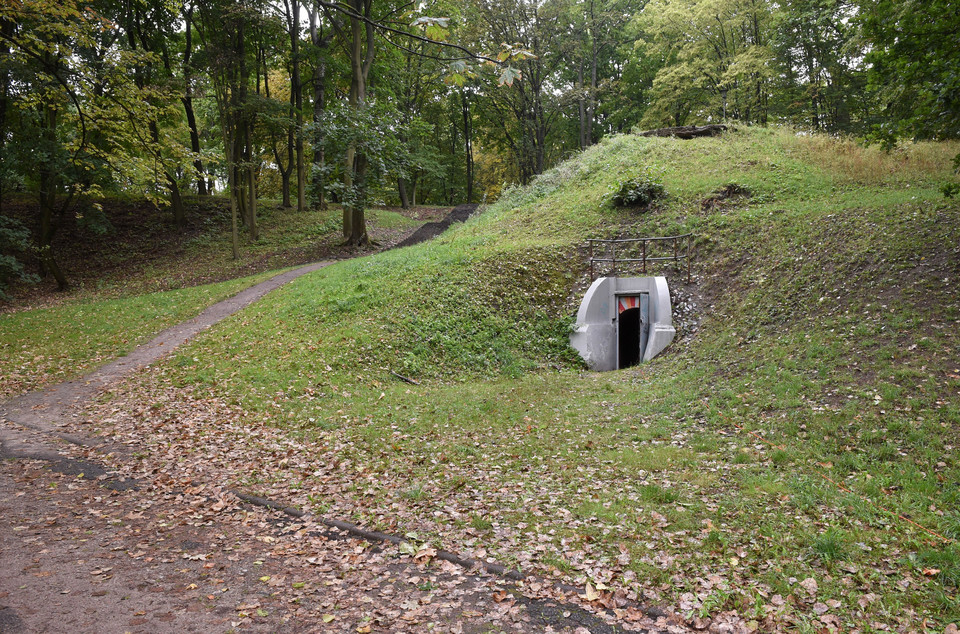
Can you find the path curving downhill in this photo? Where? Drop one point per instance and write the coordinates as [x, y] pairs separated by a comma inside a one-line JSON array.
[[47, 410], [30, 421]]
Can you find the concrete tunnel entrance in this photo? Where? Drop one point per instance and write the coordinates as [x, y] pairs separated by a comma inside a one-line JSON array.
[[623, 322]]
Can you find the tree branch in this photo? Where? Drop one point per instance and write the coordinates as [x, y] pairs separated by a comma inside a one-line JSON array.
[[377, 25]]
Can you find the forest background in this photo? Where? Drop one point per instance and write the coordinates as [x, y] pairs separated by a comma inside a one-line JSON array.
[[361, 102]]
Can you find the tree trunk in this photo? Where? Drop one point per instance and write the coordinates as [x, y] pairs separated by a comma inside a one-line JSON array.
[[47, 196], [285, 172], [234, 212], [319, 103], [285, 189], [246, 174], [402, 190], [176, 202], [230, 149], [195, 142], [188, 105], [355, 161], [357, 235], [592, 96], [582, 108], [296, 100], [468, 144], [252, 191], [239, 178]]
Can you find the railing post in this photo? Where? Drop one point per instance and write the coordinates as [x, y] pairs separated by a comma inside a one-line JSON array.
[[590, 242], [643, 255], [613, 256], [676, 255], [689, 255]]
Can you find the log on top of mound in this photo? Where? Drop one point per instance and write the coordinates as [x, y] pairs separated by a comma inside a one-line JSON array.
[[688, 131]]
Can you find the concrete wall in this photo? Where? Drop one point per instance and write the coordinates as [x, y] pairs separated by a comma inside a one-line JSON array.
[[595, 337]]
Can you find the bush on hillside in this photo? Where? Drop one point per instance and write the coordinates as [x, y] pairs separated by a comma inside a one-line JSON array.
[[639, 192]]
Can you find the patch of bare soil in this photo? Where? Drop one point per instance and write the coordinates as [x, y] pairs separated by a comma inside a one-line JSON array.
[[431, 230], [727, 195]]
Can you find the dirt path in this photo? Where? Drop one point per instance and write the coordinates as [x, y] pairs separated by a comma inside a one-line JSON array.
[[83, 549]]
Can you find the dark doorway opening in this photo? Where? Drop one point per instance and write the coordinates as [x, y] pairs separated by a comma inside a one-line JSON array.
[[633, 328], [629, 338]]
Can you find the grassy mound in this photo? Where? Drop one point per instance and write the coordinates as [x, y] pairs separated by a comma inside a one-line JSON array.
[[793, 460]]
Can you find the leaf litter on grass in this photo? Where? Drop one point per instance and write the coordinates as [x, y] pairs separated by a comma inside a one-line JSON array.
[[202, 448]]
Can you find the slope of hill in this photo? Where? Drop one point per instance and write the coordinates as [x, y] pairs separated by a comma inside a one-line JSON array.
[[791, 460]]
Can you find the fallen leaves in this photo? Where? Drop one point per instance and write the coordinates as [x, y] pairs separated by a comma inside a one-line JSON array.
[[207, 446], [810, 585], [590, 593], [425, 554]]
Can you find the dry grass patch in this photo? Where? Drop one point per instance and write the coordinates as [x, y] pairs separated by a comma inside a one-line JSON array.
[[855, 162]]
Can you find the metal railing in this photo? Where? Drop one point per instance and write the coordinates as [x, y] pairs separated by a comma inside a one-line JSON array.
[[629, 245]]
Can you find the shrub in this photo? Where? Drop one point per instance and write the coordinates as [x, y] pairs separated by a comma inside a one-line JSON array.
[[639, 191], [14, 239]]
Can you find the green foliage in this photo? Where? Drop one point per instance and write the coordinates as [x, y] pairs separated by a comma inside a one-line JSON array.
[[717, 61], [639, 192], [14, 240], [832, 545], [63, 131], [821, 84], [372, 131], [914, 66]]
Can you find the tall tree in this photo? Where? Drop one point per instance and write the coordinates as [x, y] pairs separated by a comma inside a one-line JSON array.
[[526, 110], [361, 48], [227, 29], [914, 65], [292, 13], [70, 104], [599, 29], [821, 83], [717, 60], [149, 27], [188, 72]]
